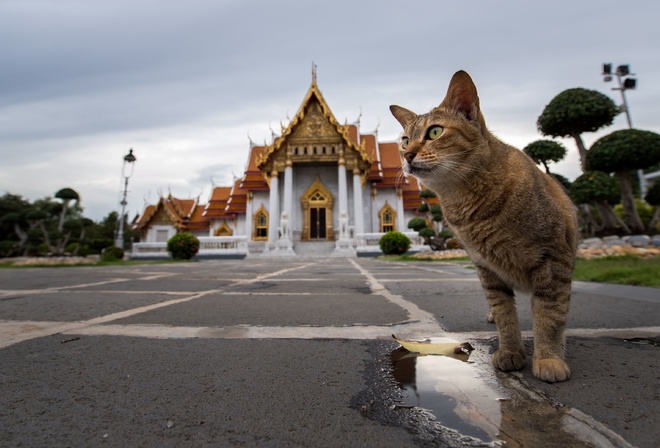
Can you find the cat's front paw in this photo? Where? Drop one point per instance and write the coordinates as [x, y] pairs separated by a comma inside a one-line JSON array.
[[551, 370], [506, 360]]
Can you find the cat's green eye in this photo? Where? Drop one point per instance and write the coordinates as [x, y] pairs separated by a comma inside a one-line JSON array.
[[404, 142], [434, 132]]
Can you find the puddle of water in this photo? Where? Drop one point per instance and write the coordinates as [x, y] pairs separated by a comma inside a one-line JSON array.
[[452, 390], [497, 411]]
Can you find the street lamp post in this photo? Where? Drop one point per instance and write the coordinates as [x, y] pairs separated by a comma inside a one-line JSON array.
[[623, 77], [129, 159]]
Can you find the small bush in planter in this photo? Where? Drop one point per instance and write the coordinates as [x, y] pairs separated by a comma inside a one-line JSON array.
[[394, 243], [183, 246], [112, 253]]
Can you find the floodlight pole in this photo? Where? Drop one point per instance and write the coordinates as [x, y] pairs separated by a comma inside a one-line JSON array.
[[129, 159], [627, 84]]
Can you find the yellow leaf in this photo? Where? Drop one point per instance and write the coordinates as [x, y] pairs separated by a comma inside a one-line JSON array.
[[428, 347]]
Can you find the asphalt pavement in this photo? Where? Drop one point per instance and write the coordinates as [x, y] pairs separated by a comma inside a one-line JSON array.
[[298, 353]]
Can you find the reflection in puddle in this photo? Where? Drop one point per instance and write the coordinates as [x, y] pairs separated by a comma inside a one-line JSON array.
[[451, 390]]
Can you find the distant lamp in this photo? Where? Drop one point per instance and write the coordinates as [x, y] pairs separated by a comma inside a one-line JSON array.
[[623, 70], [129, 159], [607, 69], [629, 83]]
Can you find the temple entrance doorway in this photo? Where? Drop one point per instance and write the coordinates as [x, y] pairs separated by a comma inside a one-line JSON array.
[[317, 213]]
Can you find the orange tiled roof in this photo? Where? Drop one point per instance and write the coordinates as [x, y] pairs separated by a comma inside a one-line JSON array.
[[253, 179], [237, 202], [197, 220], [390, 163], [216, 208], [186, 214], [371, 146]]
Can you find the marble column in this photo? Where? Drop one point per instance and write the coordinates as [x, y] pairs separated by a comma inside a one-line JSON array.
[[400, 217], [249, 210], [343, 191], [357, 202], [288, 192], [273, 209]]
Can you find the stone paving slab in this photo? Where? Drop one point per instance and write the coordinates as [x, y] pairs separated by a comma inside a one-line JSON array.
[[119, 392], [275, 310], [73, 305]]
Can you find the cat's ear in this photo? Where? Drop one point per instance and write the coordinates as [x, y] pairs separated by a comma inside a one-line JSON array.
[[403, 115], [462, 96]]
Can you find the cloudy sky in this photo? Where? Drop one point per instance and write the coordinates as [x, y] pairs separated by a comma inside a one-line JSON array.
[[185, 83]]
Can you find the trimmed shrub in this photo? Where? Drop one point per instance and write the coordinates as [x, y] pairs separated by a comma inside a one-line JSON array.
[[417, 224], [183, 246], [394, 243], [112, 253]]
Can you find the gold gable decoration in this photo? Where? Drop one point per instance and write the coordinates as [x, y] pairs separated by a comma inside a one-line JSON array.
[[313, 135]]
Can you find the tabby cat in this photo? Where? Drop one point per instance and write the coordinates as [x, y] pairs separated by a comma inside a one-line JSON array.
[[515, 221]]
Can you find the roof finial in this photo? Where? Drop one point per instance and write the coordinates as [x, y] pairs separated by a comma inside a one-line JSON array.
[[313, 73]]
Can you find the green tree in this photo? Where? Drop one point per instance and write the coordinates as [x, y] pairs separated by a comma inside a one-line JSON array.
[[66, 195], [622, 152], [601, 190], [545, 151], [653, 198], [574, 112], [13, 225]]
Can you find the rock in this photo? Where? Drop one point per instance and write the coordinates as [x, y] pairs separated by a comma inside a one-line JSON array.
[[592, 243], [655, 241], [638, 240]]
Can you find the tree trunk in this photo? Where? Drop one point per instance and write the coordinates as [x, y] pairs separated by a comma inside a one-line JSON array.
[[582, 150], [610, 220], [65, 206], [651, 229], [628, 200], [587, 221], [22, 239], [46, 237]]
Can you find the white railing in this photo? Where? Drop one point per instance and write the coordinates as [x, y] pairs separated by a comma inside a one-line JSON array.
[[208, 246], [368, 242]]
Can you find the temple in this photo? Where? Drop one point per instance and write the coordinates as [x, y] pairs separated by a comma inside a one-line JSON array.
[[319, 187]]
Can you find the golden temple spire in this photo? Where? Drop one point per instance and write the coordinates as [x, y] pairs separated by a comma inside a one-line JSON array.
[[313, 73]]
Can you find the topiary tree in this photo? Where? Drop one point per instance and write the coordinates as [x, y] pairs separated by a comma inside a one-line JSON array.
[[394, 243], [417, 224], [545, 151], [575, 111], [653, 198], [622, 152], [66, 195], [183, 246], [601, 190]]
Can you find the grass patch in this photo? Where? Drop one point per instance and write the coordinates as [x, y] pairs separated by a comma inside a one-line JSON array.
[[623, 270]]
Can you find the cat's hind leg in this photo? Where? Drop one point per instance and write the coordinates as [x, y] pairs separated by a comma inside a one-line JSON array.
[[510, 354], [550, 303]]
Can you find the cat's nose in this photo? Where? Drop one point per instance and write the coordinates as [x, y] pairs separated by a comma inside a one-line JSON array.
[[409, 156]]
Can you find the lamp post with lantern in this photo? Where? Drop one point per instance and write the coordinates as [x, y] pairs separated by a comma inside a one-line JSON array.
[[129, 159]]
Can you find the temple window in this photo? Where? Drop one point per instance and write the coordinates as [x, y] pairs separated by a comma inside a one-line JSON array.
[[261, 224], [387, 217]]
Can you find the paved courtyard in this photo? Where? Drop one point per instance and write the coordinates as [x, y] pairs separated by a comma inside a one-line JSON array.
[[298, 352]]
